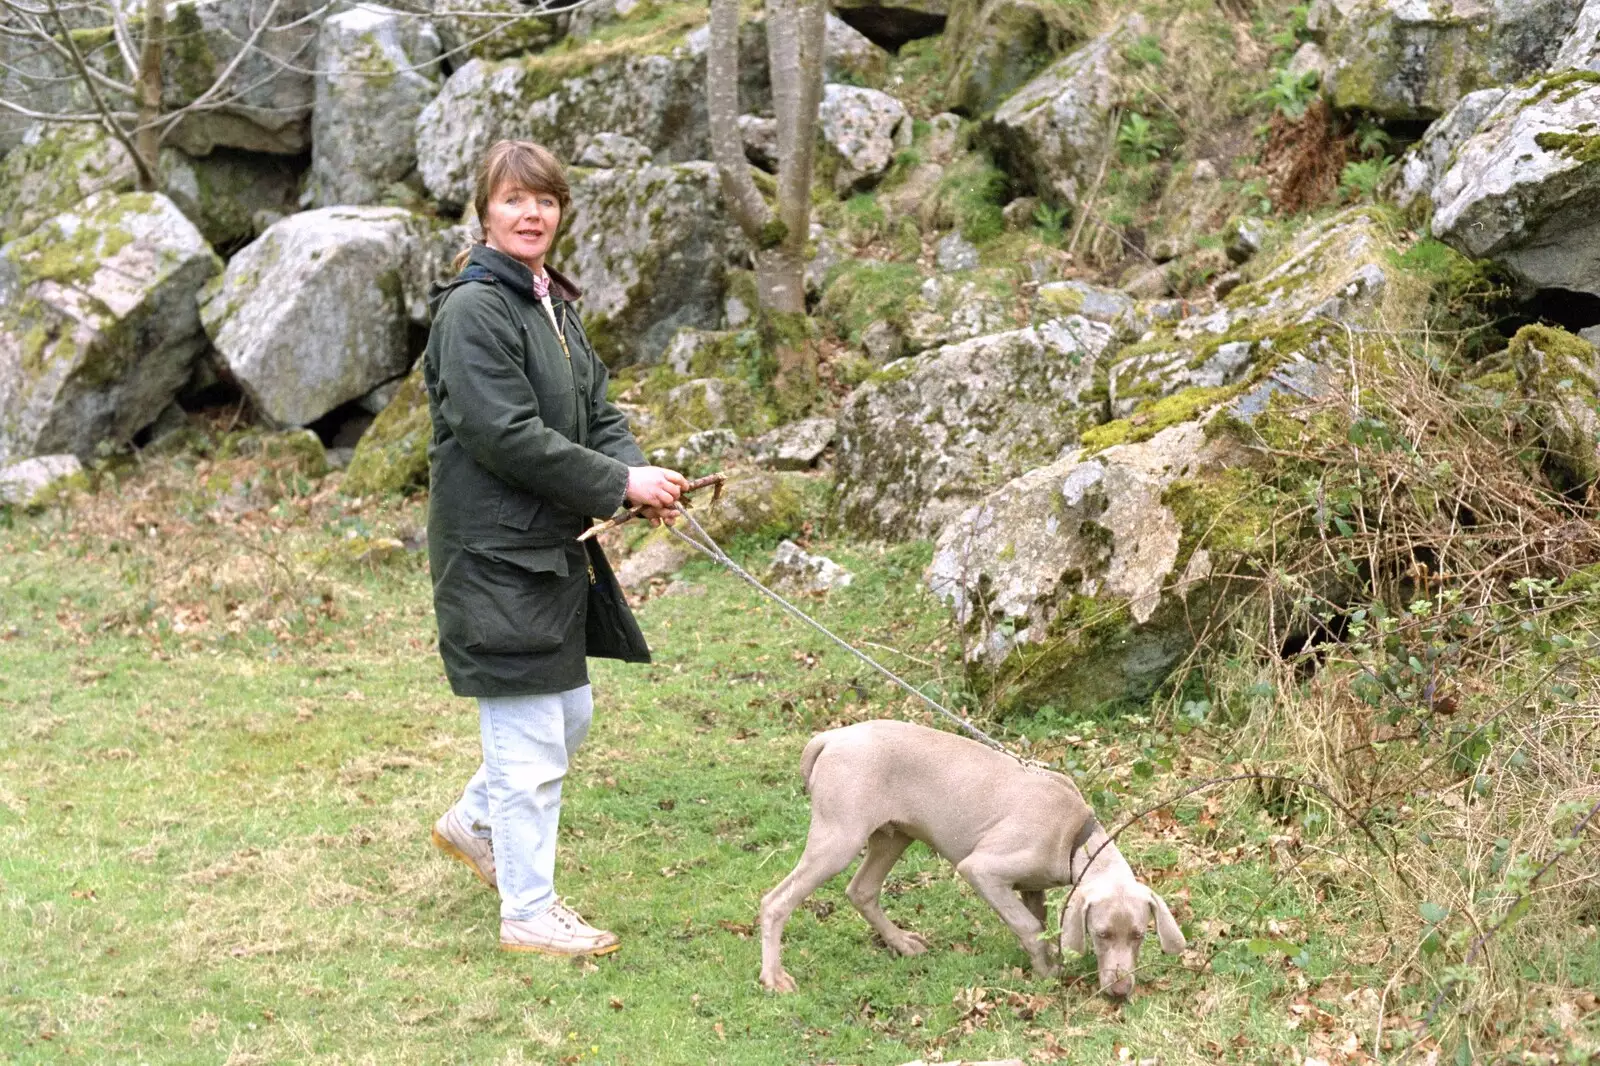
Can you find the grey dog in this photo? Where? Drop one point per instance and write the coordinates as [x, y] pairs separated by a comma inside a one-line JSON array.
[[1012, 833]]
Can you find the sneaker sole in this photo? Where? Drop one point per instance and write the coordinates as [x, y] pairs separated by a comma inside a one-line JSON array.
[[529, 949], [462, 857]]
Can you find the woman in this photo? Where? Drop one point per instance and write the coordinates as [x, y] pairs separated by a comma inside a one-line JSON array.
[[526, 450]]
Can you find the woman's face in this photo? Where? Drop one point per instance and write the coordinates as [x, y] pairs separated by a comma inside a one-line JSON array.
[[522, 224]]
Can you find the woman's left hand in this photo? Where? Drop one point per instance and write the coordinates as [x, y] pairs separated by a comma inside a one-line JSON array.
[[660, 515]]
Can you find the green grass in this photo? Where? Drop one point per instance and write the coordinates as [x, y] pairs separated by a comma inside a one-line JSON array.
[[224, 744]]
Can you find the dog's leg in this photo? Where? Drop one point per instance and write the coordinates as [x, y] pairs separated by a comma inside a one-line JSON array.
[[991, 876], [884, 849], [1033, 899], [827, 852]]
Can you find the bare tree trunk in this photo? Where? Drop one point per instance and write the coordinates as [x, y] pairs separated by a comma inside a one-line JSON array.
[[148, 134]]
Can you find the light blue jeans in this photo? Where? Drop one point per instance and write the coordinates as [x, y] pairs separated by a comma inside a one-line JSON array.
[[515, 797]]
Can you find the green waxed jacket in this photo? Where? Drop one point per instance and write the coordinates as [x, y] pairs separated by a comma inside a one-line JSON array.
[[526, 450]]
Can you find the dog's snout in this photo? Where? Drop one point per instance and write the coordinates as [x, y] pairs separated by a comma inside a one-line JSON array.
[[1121, 987]]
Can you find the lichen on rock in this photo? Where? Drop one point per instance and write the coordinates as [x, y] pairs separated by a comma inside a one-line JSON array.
[[98, 323], [931, 433]]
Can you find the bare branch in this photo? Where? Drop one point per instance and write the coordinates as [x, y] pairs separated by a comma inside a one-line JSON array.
[[119, 30], [147, 177], [55, 116]]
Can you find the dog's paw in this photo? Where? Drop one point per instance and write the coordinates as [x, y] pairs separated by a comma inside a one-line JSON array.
[[778, 982], [911, 944]]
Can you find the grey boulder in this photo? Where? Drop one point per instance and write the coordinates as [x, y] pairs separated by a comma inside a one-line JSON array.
[[1405, 60], [376, 70], [98, 323], [1524, 189], [932, 433], [651, 247], [1051, 133], [313, 314], [861, 131]]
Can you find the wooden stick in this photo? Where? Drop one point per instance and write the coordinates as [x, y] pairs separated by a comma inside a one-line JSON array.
[[711, 481]]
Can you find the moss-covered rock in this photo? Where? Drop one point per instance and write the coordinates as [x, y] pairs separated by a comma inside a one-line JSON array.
[[377, 69], [995, 47], [1558, 375], [652, 248], [98, 323], [931, 434], [1071, 579], [1522, 189], [392, 455], [229, 192], [31, 483], [1051, 134], [267, 105], [1405, 61], [646, 82], [54, 169]]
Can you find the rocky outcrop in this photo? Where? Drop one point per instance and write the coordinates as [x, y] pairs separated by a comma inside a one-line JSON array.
[[1335, 273], [1524, 189], [98, 323], [930, 434], [1051, 134], [656, 97], [1072, 579], [314, 313], [266, 104], [996, 46], [55, 168], [1399, 60], [651, 247], [861, 131], [377, 69], [1427, 161]]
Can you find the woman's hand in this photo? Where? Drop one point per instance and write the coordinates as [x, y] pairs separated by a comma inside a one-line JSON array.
[[655, 487]]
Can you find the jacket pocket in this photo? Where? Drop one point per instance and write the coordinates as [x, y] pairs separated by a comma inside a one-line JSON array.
[[518, 509], [518, 599]]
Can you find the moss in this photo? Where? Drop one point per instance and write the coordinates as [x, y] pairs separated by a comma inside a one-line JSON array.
[[970, 197], [658, 35], [1154, 416], [1583, 148], [1229, 510], [392, 456], [1561, 86], [862, 292], [190, 64]]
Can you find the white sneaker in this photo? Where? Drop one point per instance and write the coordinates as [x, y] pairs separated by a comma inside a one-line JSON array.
[[557, 931], [453, 836]]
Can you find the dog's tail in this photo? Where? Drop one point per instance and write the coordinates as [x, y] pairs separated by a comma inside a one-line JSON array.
[[808, 758]]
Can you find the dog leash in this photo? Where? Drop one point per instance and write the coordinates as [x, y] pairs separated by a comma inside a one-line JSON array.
[[703, 542]]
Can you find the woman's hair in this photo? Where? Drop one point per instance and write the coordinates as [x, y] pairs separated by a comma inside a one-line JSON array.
[[521, 163]]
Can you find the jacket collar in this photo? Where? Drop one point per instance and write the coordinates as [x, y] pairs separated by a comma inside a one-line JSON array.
[[518, 276]]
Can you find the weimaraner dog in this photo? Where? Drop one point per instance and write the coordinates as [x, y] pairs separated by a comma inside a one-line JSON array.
[[1011, 832]]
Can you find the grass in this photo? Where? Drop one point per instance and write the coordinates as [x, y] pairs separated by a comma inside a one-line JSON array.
[[227, 733]]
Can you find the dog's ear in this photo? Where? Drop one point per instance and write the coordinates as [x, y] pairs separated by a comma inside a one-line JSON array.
[[1075, 921], [1172, 941]]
